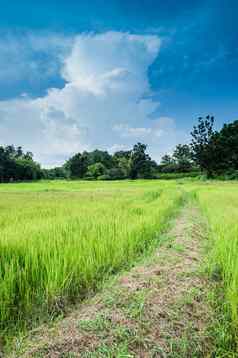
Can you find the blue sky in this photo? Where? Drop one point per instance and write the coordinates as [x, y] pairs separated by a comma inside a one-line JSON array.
[[76, 75]]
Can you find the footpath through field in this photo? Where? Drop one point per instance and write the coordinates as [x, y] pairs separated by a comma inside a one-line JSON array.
[[157, 309]]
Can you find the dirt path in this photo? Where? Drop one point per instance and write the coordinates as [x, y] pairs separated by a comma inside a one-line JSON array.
[[158, 309]]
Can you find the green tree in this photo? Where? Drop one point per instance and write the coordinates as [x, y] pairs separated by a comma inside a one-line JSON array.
[[166, 160], [99, 156], [140, 164], [27, 170], [183, 157], [78, 165], [202, 147], [224, 145], [16, 165], [115, 173], [121, 154], [96, 170], [121, 160], [56, 173]]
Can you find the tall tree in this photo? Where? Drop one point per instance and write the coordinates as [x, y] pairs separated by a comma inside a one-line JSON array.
[[225, 148], [201, 144], [183, 157], [140, 162], [121, 160], [78, 165]]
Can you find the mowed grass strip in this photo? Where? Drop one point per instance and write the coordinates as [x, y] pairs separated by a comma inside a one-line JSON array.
[[57, 246]]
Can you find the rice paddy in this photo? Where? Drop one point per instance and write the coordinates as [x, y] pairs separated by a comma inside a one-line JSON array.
[[58, 245], [60, 240]]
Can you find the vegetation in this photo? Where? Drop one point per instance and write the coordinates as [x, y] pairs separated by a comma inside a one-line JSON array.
[[179, 162], [62, 239], [56, 246], [134, 313], [220, 204], [214, 153], [98, 164], [16, 165], [201, 146]]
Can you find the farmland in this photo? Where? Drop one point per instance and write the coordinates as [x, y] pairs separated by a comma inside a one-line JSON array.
[[58, 244], [61, 240]]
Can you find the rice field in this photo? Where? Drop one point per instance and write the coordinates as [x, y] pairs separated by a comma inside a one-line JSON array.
[[220, 205], [60, 240]]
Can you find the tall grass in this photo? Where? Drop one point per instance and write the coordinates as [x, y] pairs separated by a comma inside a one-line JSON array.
[[220, 204], [57, 246]]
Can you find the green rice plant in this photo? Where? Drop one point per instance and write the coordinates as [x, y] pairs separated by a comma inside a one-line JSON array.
[[59, 240], [220, 204]]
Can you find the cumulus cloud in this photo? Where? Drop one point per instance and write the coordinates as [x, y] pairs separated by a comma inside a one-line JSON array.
[[104, 103]]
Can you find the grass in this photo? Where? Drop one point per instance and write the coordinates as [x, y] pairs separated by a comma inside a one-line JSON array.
[[220, 205], [59, 240]]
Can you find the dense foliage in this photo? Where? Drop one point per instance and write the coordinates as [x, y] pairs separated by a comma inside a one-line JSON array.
[[179, 162], [215, 152], [134, 164], [200, 144], [17, 165]]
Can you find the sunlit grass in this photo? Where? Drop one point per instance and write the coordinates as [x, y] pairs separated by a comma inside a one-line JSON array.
[[60, 239], [221, 207]]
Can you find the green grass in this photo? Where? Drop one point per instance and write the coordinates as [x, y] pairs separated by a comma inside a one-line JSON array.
[[220, 205], [59, 240]]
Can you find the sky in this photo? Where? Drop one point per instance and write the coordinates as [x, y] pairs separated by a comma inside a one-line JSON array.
[[79, 75]]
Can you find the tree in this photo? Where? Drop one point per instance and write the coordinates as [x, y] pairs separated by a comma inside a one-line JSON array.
[[201, 145], [56, 173], [78, 165], [16, 165], [180, 161], [19, 152], [121, 161], [121, 154], [27, 170], [183, 157], [225, 149], [115, 173], [99, 156], [28, 155], [10, 151], [139, 162], [96, 170], [166, 160]]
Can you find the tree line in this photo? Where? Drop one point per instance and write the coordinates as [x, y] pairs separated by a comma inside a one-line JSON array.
[[15, 165], [214, 153]]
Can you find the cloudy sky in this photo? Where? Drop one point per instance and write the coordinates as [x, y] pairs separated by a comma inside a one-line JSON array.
[[80, 75]]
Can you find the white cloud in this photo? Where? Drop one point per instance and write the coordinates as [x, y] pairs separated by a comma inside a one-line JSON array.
[[129, 132], [31, 57], [104, 103]]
